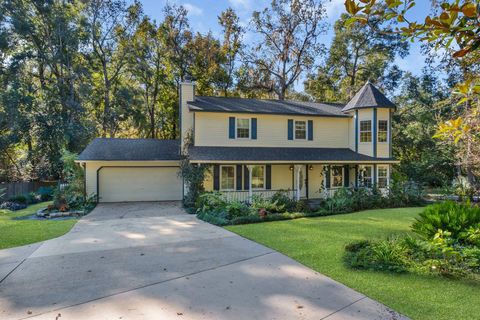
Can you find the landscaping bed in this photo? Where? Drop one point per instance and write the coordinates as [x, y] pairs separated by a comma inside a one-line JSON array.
[[213, 208]]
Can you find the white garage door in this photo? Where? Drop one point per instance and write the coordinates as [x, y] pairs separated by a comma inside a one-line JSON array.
[[139, 184]]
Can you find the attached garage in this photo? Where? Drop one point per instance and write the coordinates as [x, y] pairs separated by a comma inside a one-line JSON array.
[[118, 184], [124, 170]]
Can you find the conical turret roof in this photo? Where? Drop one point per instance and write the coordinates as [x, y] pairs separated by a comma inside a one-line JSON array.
[[368, 97]]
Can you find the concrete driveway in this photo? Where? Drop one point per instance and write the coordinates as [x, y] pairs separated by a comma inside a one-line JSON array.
[[153, 261]]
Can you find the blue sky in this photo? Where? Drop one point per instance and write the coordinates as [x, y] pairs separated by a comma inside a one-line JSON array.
[[203, 18]]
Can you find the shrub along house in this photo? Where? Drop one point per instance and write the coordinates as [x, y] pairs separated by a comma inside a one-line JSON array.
[[252, 146]]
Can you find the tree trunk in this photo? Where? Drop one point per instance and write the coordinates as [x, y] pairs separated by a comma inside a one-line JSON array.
[[106, 101], [152, 123]]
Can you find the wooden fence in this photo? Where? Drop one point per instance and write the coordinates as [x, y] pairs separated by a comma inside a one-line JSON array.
[[13, 189]]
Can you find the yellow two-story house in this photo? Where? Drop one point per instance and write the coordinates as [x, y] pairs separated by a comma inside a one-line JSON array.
[[252, 146]]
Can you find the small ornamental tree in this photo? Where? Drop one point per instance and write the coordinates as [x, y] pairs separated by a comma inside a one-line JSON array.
[[192, 174]]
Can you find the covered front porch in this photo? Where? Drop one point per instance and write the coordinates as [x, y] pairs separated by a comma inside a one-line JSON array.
[[241, 182], [240, 173]]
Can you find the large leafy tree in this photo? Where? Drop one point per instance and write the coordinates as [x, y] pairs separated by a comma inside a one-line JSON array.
[[110, 26], [355, 56], [453, 28], [230, 47], [288, 44], [42, 90], [152, 72], [421, 104], [206, 66]]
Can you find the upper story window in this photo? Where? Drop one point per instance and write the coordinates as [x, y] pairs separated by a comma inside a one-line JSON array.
[[336, 176], [243, 128], [366, 131], [227, 178], [382, 130], [300, 130]]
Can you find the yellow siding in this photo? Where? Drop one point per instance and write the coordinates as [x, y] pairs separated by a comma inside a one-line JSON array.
[[281, 177], [365, 147], [383, 147], [351, 132], [93, 166], [211, 129]]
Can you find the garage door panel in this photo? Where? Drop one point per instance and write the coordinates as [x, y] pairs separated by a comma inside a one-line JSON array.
[[139, 184]]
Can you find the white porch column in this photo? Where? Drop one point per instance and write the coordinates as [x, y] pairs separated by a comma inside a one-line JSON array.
[[250, 192], [298, 169]]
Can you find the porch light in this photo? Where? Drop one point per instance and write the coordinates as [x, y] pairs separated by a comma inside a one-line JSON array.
[[290, 168], [310, 167]]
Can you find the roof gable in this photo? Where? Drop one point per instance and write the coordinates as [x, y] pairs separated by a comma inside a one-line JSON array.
[[368, 97]]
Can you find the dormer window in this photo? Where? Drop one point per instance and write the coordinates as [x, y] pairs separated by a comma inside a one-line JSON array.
[[300, 130], [243, 128]]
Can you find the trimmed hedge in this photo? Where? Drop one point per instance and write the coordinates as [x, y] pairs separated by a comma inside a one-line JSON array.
[[214, 219]]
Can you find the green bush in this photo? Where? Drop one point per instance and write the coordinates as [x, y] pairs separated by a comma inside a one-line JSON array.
[[279, 203], [32, 198], [386, 255], [19, 199], [209, 202], [405, 193], [2, 193], [460, 219], [448, 244], [237, 209], [45, 193], [283, 201], [71, 196], [414, 255]]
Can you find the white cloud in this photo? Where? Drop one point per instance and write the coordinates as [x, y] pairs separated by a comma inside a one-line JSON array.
[[193, 10], [334, 9], [241, 3]]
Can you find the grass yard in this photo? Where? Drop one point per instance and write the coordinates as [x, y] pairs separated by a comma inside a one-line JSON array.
[[319, 244], [14, 233]]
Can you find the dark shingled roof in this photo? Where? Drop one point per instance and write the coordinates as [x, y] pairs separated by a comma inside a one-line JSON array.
[[131, 149], [368, 97], [276, 154], [240, 105]]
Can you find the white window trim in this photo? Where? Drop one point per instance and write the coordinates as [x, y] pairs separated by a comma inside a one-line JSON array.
[[388, 130], [294, 130], [234, 177], [343, 178], [249, 128], [388, 174], [264, 177], [360, 131]]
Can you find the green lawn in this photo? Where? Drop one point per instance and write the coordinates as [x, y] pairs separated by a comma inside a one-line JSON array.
[[14, 233], [319, 244]]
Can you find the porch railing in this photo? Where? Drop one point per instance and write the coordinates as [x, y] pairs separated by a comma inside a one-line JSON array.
[[328, 193], [243, 196]]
